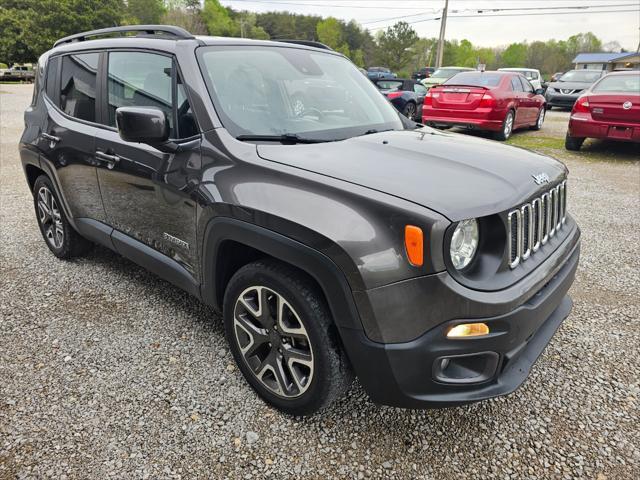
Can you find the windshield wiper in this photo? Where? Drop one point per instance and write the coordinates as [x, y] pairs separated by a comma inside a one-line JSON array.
[[284, 138], [373, 130]]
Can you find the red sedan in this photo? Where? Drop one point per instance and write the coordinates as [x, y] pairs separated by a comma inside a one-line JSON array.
[[500, 102], [609, 109]]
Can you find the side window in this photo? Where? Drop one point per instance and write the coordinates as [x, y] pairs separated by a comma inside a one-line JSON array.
[[419, 89], [78, 85], [139, 79], [534, 75], [52, 76], [526, 85], [516, 86]]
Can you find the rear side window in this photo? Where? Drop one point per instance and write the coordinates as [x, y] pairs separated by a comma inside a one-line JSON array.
[[78, 85], [52, 76], [516, 86], [526, 85]]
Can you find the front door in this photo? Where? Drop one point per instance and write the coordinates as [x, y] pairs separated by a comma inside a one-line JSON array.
[[148, 194], [68, 134]]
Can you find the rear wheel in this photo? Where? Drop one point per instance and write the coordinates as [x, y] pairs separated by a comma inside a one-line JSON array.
[[58, 234], [540, 120], [409, 110], [573, 143], [507, 127], [281, 335]]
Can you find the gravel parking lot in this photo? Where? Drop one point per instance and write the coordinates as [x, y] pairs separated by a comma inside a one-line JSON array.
[[108, 372]]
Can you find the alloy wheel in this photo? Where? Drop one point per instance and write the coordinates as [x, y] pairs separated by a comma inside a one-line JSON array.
[[541, 117], [508, 125], [273, 341], [50, 218]]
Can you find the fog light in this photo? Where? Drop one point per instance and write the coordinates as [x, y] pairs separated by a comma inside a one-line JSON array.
[[465, 330]]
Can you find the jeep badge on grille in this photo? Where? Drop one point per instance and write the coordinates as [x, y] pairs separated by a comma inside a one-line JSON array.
[[540, 178]]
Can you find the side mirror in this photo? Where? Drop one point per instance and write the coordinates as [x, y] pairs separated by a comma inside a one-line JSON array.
[[539, 91], [142, 124]]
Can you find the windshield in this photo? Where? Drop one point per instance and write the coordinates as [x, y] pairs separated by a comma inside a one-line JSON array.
[[261, 90], [445, 72], [475, 79], [587, 76], [619, 83]]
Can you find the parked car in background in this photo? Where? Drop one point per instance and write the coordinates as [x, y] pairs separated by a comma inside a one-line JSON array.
[[531, 74], [500, 102], [442, 74], [609, 109], [556, 76], [18, 73], [423, 73], [406, 95], [565, 91], [379, 73]]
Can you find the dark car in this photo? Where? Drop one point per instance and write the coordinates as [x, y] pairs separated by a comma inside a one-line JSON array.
[[608, 110], [339, 240], [406, 95], [498, 102], [379, 73], [423, 73], [565, 91]]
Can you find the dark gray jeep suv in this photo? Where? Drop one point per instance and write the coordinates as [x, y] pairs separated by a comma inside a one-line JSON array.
[[337, 237]]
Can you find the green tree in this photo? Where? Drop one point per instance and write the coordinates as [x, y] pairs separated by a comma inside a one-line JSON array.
[[394, 46], [330, 32], [145, 12], [30, 27], [218, 19], [515, 55]]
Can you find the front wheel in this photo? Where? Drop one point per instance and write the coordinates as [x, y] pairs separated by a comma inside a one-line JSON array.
[[282, 337], [507, 127], [573, 143], [540, 120]]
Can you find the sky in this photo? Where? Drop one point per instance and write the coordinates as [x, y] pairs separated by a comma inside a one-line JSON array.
[[484, 29]]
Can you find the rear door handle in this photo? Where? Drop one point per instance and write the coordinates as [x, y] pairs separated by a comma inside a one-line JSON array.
[[52, 139], [111, 160]]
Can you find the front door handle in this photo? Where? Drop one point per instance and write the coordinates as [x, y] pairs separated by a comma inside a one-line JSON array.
[[111, 160]]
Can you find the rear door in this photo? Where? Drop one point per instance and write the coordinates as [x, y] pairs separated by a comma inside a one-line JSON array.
[[150, 195], [530, 101], [519, 100], [67, 138]]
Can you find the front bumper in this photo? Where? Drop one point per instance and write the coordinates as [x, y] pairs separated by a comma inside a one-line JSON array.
[[560, 100], [407, 374]]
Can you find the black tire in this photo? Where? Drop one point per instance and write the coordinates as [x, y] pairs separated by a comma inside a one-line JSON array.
[[539, 122], [573, 143], [505, 132], [331, 374], [409, 110], [63, 241]]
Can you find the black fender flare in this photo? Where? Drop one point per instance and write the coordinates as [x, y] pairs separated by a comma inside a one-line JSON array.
[[321, 268]]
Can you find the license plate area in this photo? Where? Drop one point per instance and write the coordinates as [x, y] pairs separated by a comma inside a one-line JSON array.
[[620, 132]]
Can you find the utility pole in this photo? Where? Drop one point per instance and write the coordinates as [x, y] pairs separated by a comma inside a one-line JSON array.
[[443, 26]]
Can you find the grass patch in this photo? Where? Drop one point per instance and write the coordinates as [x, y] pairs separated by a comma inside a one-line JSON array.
[[536, 142]]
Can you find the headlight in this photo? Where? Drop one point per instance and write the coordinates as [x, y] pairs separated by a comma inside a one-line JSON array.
[[464, 243]]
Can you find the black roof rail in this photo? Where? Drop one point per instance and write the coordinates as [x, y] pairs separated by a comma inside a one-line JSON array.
[[177, 32], [308, 43]]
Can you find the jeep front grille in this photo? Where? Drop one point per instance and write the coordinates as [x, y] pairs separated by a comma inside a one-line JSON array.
[[532, 225]]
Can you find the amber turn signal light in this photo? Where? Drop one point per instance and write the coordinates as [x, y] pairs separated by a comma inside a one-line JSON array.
[[465, 330], [414, 244]]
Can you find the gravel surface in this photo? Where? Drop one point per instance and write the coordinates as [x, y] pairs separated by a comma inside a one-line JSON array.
[[108, 372]]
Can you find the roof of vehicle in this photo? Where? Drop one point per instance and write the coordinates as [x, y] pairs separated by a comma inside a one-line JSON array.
[[518, 69]]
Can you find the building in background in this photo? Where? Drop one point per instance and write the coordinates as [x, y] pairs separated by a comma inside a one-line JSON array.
[[608, 61]]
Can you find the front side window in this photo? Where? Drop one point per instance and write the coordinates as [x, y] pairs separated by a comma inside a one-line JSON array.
[[516, 86], [78, 85], [283, 90], [527, 87]]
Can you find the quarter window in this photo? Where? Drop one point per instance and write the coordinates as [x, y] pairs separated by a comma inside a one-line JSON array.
[[526, 85], [78, 85], [516, 86], [52, 75]]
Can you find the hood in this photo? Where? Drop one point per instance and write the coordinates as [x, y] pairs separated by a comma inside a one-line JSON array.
[[570, 85], [455, 175]]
